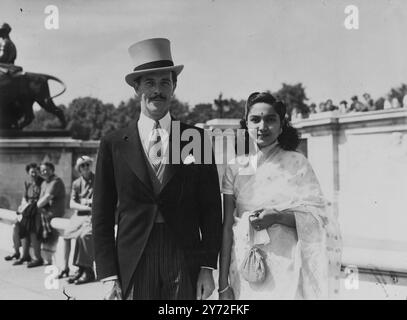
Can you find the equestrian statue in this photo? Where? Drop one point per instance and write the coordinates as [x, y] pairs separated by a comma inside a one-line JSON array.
[[19, 90]]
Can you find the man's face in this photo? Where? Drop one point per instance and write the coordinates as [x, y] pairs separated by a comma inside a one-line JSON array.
[[155, 91]]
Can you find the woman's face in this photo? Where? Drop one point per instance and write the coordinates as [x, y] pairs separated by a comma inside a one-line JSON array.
[[84, 169], [33, 173], [264, 124]]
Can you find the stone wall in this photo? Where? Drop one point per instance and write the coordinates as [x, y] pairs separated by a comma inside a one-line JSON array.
[[16, 153]]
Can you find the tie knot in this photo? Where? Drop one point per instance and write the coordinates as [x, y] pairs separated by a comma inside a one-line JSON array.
[[157, 125]]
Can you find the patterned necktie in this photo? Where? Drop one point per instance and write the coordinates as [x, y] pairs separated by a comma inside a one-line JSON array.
[[154, 148]]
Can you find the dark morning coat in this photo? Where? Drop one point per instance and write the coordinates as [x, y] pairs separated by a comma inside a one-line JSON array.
[[189, 202]]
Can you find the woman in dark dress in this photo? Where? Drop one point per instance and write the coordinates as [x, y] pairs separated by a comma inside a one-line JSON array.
[[28, 209]]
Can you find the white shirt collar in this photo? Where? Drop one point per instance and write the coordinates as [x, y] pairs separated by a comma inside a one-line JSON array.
[[146, 125]]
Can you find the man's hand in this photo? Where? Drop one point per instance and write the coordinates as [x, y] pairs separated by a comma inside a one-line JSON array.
[[205, 284], [112, 290]]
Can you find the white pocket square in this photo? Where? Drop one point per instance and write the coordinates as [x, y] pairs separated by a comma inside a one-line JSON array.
[[189, 159]]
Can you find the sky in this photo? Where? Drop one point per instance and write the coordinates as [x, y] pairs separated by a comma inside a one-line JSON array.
[[229, 46]]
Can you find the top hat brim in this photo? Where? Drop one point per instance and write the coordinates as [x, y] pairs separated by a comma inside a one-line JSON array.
[[133, 75]]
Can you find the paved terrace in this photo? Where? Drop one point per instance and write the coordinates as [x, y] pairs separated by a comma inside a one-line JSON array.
[[20, 283]]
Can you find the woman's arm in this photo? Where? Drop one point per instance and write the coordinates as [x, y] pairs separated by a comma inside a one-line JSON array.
[[269, 217], [287, 219], [77, 206], [227, 240], [42, 202]]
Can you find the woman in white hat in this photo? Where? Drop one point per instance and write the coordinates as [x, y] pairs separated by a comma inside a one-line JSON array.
[[80, 227]]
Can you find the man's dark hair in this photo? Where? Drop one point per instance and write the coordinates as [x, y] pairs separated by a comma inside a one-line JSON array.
[[48, 164], [31, 165], [173, 76]]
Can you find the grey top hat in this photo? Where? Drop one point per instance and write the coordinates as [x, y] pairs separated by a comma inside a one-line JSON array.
[[151, 55]]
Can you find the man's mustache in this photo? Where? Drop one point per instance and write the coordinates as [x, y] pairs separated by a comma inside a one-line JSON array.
[[157, 97]]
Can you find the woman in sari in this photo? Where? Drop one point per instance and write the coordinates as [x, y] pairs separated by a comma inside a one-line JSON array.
[[273, 202]]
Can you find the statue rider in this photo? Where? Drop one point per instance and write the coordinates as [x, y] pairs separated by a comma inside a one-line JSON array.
[[8, 51]]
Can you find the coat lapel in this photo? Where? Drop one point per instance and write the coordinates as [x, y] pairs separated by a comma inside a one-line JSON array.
[[133, 152], [171, 168]]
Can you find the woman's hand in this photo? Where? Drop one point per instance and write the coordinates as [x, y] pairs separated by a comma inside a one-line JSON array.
[[227, 295], [263, 218]]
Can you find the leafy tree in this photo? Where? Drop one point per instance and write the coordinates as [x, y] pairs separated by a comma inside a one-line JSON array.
[[228, 108], [90, 118], [44, 120], [126, 112], [179, 110], [294, 96], [235, 109], [201, 113]]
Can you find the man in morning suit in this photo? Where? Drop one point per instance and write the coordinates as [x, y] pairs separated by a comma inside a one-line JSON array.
[[167, 206]]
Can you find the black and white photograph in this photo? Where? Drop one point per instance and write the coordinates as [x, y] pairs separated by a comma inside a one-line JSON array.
[[216, 150]]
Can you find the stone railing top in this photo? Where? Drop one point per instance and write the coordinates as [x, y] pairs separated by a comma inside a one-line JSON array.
[[326, 118], [223, 123], [8, 216], [47, 142]]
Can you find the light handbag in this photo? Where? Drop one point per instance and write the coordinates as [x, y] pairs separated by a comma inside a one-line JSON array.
[[253, 268]]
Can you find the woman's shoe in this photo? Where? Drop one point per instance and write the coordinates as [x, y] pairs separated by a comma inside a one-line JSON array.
[[21, 261], [64, 273], [35, 263], [76, 276], [87, 276], [10, 257]]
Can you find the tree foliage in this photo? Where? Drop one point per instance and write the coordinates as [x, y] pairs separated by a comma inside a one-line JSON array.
[[294, 97]]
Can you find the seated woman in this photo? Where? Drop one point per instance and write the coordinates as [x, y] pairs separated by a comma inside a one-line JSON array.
[[26, 212], [273, 202], [80, 227]]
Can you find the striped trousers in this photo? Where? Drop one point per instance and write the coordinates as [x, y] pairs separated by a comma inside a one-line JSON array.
[[163, 273]]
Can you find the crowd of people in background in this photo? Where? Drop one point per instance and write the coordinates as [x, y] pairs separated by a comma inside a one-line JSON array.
[[44, 199], [356, 105]]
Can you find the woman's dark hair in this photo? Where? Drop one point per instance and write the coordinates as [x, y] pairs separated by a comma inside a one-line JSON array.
[[31, 165], [289, 138], [50, 165]]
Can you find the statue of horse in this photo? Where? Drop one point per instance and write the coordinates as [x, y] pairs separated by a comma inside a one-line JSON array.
[[19, 91]]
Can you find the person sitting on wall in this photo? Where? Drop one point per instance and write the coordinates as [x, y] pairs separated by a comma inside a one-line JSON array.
[[369, 102], [343, 106], [329, 106], [51, 205], [357, 106], [80, 227], [21, 237]]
